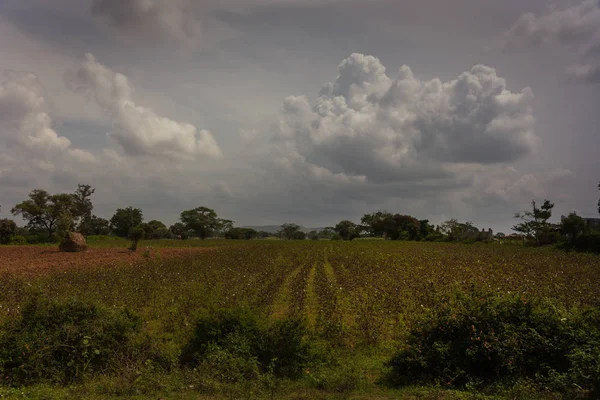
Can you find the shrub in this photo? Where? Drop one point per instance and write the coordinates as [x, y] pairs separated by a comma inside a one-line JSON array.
[[136, 234], [16, 240], [244, 345], [588, 242], [480, 340], [62, 342]]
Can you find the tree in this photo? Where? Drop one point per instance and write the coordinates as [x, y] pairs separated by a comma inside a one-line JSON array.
[[82, 208], [535, 222], [8, 227], [313, 235], [425, 228], [377, 224], [298, 235], [347, 230], [287, 231], [405, 227], [241, 233], [135, 234], [572, 226], [203, 221], [46, 212], [98, 226], [125, 219], [179, 231]]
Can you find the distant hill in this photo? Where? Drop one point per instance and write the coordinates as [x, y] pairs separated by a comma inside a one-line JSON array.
[[275, 228]]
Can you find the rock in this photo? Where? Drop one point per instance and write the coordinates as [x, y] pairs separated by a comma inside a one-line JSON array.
[[73, 243]]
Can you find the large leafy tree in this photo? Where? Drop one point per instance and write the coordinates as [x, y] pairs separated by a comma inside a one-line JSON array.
[[535, 222], [8, 227], [179, 230], [82, 208], [405, 227], [288, 231], [203, 221], [98, 226], [347, 230], [377, 223], [572, 226], [46, 212], [125, 219]]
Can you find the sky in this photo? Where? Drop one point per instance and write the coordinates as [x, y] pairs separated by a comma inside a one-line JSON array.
[[305, 111]]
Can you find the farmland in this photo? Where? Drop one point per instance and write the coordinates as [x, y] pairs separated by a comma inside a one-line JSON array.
[[359, 300]]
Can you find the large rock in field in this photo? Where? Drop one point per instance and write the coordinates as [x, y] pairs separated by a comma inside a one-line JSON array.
[[73, 243]]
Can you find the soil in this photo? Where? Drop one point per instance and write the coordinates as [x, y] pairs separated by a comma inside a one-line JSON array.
[[40, 260]]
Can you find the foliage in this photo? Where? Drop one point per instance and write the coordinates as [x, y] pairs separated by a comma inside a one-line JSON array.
[[97, 226], [45, 212], [535, 222], [17, 240], [202, 221], [241, 233], [249, 345], [572, 227], [288, 231], [136, 234], [179, 231], [404, 227], [124, 220], [376, 224], [347, 230], [8, 228], [82, 209], [62, 342], [479, 339], [59, 213], [589, 242]]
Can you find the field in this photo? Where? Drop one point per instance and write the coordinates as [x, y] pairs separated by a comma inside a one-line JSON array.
[[360, 302]]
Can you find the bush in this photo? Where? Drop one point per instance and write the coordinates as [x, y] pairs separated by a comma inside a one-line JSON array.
[[16, 240], [244, 346], [588, 242], [42, 239], [61, 342], [480, 340]]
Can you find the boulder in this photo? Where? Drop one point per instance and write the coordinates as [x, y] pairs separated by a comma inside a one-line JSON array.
[[73, 242]]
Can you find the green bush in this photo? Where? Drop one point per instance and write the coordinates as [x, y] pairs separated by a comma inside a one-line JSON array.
[[478, 340], [42, 239], [16, 240], [244, 345], [62, 342], [588, 242]]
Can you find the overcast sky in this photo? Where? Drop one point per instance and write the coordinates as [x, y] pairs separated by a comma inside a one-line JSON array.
[[306, 111]]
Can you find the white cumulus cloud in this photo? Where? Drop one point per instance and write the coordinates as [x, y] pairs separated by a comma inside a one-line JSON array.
[[139, 130], [367, 124], [26, 126]]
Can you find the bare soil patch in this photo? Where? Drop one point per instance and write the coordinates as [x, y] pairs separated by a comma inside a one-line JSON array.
[[40, 260]]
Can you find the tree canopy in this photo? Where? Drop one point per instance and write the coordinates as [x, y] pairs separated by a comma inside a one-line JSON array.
[[202, 221], [125, 219]]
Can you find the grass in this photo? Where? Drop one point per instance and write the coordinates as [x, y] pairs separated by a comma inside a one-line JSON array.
[[361, 300]]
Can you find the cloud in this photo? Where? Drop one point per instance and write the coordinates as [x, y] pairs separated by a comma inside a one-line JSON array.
[[366, 124], [26, 127], [584, 73], [576, 27], [139, 130], [169, 20]]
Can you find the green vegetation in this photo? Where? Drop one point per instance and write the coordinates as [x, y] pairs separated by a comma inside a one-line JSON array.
[[308, 319]]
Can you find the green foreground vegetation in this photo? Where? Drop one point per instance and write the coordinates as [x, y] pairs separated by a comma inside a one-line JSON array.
[[308, 320]]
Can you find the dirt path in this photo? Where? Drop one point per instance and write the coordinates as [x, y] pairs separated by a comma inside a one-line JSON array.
[[40, 260]]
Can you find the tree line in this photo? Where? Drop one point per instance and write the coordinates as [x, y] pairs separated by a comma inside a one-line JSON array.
[[51, 216]]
